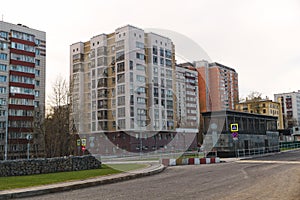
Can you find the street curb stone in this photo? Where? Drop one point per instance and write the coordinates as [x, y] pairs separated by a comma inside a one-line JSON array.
[[73, 185]]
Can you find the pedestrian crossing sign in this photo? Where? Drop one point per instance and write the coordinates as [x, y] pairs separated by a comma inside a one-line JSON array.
[[234, 127]]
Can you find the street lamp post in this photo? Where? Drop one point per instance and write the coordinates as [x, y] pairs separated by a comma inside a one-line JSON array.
[[6, 132], [28, 137]]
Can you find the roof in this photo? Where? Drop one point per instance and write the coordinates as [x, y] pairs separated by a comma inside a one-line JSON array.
[[234, 112]]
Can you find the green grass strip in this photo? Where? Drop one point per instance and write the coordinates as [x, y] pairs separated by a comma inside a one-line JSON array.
[[13, 182]]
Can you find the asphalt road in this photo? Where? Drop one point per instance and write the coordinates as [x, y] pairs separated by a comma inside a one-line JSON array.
[[270, 177]]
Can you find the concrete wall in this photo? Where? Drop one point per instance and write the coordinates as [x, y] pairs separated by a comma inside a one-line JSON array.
[[47, 165]]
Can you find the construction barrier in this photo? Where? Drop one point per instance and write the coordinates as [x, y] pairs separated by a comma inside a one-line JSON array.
[[189, 161]]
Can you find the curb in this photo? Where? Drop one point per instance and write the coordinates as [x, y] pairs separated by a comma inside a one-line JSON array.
[[189, 161], [61, 187]]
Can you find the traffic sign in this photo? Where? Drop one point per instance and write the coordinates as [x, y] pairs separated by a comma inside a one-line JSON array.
[[234, 134], [83, 142], [78, 142], [234, 127]]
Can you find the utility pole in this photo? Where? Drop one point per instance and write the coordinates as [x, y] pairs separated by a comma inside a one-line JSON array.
[[6, 131]]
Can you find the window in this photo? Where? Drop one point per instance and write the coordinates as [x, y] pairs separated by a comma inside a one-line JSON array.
[[155, 70], [120, 56], [23, 58], [2, 90], [141, 90], [131, 111], [121, 112], [22, 36], [3, 56], [168, 73], [154, 50], [140, 45], [121, 78], [140, 78], [3, 45], [121, 123], [140, 56], [168, 54], [140, 67], [141, 100], [36, 104], [37, 41], [21, 68], [2, 78], [131, 65], [3, 34], [37, 52], [121, 101], [3, 67], [121, 89], [161, 52], [168, 63], [36, 93], [2, 102], [121, 67], [21, 90], [21, 79], [155, 60], [162, 61], [131, 77], [23, 47], [155, 91]]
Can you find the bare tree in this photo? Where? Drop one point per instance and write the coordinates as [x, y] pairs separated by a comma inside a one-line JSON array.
[[254, 97], [57, 137]]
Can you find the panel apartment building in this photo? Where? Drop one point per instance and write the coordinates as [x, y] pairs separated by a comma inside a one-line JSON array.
[[123, 85], [290, 107], [22, 89], [187, 96]]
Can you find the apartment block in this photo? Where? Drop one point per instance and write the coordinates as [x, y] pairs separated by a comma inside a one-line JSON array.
[[22, 90], [290, 107], [187, 96], [122, 84], [218, 86]]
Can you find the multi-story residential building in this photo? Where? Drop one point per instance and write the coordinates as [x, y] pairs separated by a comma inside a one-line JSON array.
[[22, 89], [187, 96], [123, 82], [218, 86], [290, 107], [262, 106]]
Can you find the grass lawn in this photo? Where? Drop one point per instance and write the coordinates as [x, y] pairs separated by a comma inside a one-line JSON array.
[[13, 182]]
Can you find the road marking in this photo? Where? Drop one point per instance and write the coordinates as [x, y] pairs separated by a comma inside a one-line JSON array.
[[268, 161]]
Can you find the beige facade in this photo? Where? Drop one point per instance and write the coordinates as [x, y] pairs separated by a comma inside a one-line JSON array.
[[123, 81], [264, 107]]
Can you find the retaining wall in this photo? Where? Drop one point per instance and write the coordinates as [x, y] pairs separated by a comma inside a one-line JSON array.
[[47, 165]]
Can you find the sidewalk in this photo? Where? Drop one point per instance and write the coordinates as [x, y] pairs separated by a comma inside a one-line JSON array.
[[60, 187]]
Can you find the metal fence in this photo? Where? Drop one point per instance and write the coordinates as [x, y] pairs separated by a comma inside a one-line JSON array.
[[263, 150]]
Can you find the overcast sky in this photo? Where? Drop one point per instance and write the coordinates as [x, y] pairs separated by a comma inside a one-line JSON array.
[[260, 39]]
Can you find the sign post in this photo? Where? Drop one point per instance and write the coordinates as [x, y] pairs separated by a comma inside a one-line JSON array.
[[234, 128], [78, 143], [83, 145]]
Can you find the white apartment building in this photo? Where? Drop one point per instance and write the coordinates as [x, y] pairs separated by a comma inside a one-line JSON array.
[[290, 105], [187, 96], [22, 89], [123, 81]]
